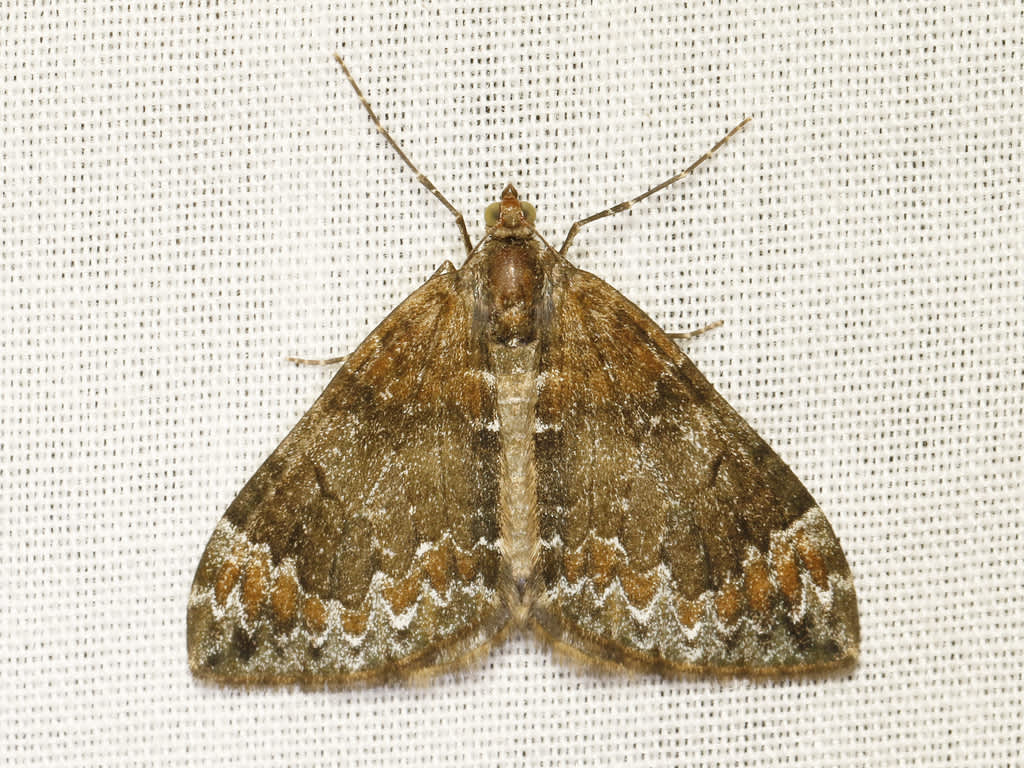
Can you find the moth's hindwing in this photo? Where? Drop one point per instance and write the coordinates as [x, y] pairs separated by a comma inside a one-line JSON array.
[[672, 537], [367, 544]]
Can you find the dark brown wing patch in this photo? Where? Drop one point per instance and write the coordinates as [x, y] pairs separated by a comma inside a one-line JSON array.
[[367, 544], [672, 537]]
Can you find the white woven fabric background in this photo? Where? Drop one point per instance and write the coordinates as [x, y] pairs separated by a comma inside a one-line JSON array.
[[191, 192]]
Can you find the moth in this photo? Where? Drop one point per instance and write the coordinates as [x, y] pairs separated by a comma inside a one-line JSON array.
[[517, 445]]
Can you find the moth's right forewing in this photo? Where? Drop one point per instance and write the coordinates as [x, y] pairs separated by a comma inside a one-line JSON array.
[[672, 537], [366, 546]]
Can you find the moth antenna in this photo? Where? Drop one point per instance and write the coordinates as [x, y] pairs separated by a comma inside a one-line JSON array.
[[575, 228], [460, 222]]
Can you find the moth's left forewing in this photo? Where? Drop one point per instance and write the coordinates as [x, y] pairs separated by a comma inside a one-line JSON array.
[[366, 546], [672, 537]]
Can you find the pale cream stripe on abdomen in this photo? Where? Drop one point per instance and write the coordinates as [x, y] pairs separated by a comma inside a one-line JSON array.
[[515, 369]]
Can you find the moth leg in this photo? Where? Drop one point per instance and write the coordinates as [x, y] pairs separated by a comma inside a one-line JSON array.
[[459, 221], [681, 337], [328, 361], [575, 228], [444, 269]]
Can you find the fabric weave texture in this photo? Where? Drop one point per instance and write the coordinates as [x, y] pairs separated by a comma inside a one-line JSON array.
[[191, 193]]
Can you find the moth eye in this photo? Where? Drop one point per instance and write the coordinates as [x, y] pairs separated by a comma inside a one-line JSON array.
[[491, 214], [493, 211]]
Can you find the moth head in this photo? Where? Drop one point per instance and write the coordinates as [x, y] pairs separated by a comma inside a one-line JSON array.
[[511, 212]]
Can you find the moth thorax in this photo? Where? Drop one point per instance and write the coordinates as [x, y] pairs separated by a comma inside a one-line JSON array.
[[514, 280]]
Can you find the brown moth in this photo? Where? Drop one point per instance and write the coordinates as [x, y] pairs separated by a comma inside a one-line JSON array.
[[518, 445]]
